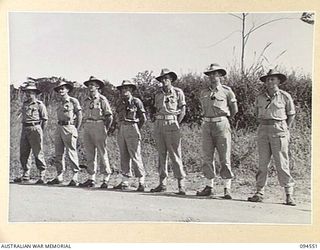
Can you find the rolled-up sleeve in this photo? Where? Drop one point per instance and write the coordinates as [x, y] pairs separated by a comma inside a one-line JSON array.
[[290, 109], [43, 112]]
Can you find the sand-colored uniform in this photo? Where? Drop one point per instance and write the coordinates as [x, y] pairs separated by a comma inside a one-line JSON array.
[[33, 113], [67, 134], [95, 111], [129, 137], [216, 132], [167, 130], [273, 137]]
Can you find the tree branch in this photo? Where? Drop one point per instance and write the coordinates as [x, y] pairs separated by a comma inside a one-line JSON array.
[[263, 24], [223, 39], [235, 16]]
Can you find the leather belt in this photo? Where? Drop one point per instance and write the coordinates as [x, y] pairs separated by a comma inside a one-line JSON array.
[[269, 122], [91, 120], [65, 123], [30, 124], [166, 117], [214, 119]]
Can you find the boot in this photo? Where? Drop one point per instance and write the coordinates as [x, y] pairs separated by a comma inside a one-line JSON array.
[[207, 191]]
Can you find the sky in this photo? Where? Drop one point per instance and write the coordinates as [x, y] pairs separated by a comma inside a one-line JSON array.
[[116, 46]]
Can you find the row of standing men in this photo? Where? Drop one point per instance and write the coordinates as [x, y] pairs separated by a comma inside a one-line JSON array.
[[274, 109]]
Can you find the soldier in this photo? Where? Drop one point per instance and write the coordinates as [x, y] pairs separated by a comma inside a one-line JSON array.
[[131, 117], [170, 106], [34, 118], [69, 117], [275, 111], [218, 103], [97, 117]]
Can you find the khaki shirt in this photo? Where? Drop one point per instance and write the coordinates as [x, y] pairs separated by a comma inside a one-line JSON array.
[[169, 103], [96, 108], [34, 111], [67, 109], [131, 110], [216, 103], [277, 107]]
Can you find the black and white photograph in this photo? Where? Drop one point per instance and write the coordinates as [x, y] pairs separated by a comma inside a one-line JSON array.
[[193, 118]]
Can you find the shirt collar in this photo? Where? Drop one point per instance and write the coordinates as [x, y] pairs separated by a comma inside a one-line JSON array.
[[170, 90], [219, 87], [95, 97]]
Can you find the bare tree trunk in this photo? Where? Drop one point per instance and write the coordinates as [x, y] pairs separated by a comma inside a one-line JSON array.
[[243, 42]]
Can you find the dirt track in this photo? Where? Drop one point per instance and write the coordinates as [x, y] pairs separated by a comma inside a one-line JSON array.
[[30, 203]]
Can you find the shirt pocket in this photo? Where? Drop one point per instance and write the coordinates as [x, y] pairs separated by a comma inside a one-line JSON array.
[[279, 110], [96, 109], [219, 101]]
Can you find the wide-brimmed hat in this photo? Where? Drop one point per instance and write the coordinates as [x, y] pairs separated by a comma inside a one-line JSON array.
[[273, 72], [126, 83], [165, 72], [215, 67], [69, 85], [30, 85], [93, 79]]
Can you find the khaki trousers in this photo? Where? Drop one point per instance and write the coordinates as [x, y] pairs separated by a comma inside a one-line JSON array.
[[274, 140], [32, 139], [216, 135], [66, 140], [168, 141], [95, 141], [129, 141]]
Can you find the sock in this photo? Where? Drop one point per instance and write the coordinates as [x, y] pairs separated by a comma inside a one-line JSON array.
[[163, 181], [106, 178], [181, 182], [42, 174], [75, 176], [60, 177], [141, 180], [125, 180], [227, 183], [92, 177], [210, 182]]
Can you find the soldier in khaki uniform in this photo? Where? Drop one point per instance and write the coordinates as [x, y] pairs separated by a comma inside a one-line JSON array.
[[97, 117], [34, 118], [69, 120], [275, 111], [218, 103], [170, 106], [131, 117]]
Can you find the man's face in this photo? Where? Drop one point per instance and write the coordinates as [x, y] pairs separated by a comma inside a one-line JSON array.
[[272, 82], [30, 94], [93, 86], [63, 90], [166, 81], [214, 77], [126, 92]]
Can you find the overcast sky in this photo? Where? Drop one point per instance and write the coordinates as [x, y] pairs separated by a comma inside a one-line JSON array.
[[116, 46]]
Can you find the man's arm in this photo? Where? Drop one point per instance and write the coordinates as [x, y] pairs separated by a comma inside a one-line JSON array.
[[290, 120], [142, 120], [108, 121], [233, 109], [182, 114], [78, 119]]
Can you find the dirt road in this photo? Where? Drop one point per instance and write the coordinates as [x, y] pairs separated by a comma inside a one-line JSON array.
[[30, 203]]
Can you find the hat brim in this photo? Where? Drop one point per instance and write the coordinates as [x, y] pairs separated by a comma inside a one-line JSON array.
[[172, 74], [127, 85], [69, 86], [37, 91], [282, 77], [100, 83], [222, 72]]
